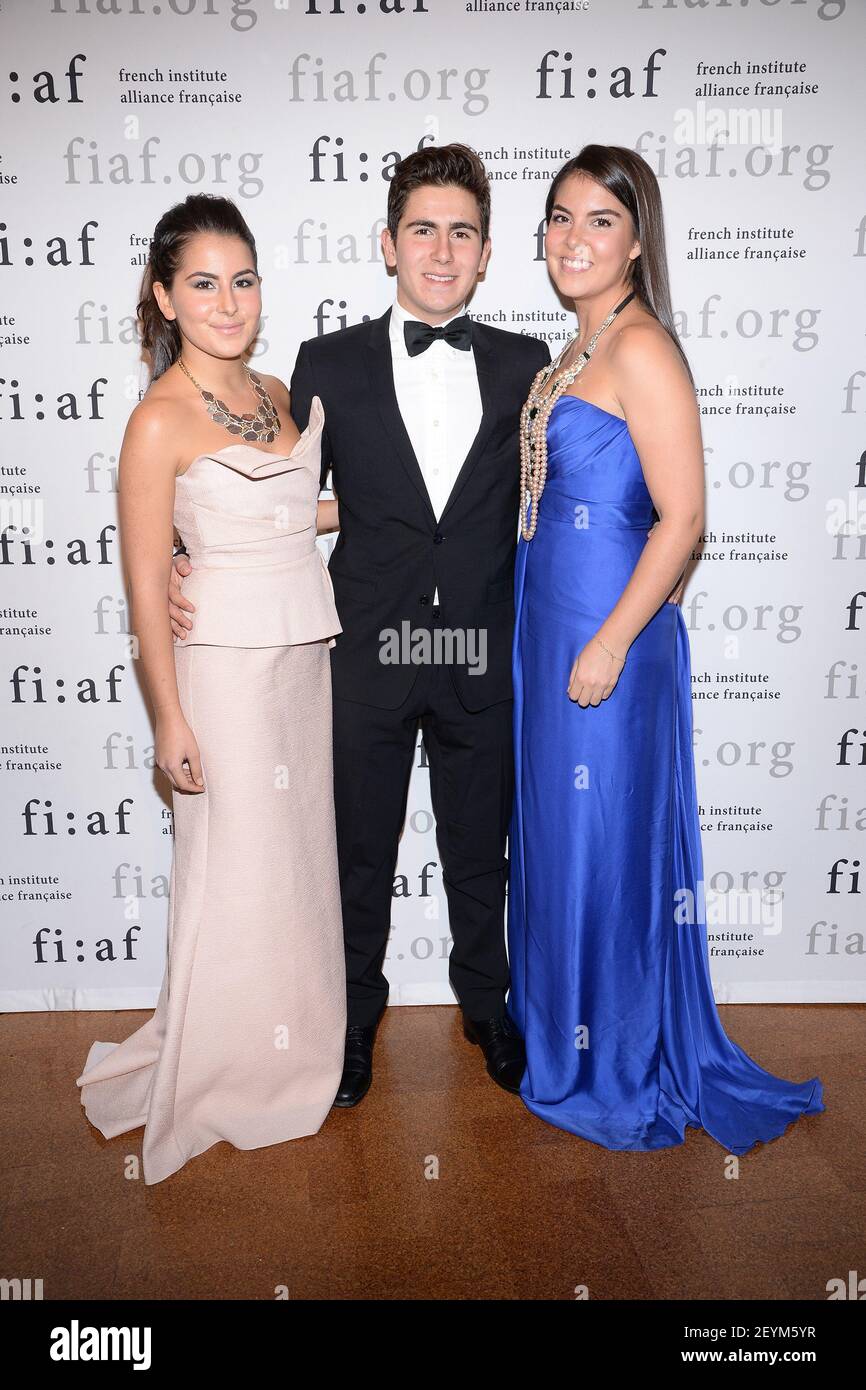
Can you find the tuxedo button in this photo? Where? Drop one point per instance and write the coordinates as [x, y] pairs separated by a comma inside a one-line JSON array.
[[438, 538], [424, 599]]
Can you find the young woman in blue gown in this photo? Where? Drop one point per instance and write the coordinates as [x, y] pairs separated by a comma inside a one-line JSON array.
[[607, 942]]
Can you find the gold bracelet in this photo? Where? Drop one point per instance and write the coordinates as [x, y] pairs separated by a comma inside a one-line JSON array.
[[609, 652]]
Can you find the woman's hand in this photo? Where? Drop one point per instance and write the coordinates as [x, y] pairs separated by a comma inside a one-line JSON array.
[[175, 746], [593, 675]]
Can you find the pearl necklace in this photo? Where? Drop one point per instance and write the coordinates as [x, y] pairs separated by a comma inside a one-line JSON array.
[[264, 425], [534, 417]]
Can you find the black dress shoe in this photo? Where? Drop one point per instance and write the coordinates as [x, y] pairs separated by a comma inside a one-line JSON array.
[[503, 1048], [357, 1066]]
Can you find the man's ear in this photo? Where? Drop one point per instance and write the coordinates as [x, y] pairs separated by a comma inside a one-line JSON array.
[[388, 248], [485, 256]]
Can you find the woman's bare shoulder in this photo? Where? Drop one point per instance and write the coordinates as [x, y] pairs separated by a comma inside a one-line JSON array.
[[155, 429], [641, 334], [652, 381], [645, 346], [277, 390], [172, 385]]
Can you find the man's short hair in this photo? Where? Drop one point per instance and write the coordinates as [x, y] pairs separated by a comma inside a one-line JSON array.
[[440, 165]]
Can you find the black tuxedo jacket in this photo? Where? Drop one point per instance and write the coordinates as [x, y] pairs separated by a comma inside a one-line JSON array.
[[391, 552]]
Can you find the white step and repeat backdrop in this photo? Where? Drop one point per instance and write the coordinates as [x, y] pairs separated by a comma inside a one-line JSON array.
[[750, 112]]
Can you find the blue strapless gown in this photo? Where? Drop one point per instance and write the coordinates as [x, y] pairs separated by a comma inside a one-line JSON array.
[[604, 832]]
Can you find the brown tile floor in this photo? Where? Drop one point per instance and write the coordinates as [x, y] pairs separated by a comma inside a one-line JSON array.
[[519, 1209]]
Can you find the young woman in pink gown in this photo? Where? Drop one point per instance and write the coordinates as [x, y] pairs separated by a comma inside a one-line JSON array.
[[246, 1043]]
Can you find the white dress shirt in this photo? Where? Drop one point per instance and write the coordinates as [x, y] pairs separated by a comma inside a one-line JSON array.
[[439, 400]]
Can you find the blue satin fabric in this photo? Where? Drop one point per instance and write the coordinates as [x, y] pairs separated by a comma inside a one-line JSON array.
[[592, 937]]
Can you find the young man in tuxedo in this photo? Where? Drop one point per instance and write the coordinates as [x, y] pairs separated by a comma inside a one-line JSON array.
[[421, 437]]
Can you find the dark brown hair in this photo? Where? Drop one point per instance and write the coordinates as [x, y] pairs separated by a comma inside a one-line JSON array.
[[200, 212], [630, 179], [439, 165]]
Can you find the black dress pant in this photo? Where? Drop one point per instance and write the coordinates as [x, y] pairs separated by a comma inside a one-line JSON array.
[[471, 761]]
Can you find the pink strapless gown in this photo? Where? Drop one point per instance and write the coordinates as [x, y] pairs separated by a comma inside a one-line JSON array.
[[246, 1043]]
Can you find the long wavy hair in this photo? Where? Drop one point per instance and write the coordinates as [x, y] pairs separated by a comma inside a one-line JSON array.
[[630, 179], [200, 212]]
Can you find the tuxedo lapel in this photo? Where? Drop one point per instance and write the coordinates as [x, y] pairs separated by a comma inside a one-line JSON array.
[[381, 375], [485, 365]]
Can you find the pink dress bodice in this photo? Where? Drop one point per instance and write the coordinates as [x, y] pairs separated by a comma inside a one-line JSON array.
[[248, 521]]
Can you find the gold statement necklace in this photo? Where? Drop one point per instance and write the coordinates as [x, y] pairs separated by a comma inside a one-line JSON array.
[[264, 426], [536, 413]]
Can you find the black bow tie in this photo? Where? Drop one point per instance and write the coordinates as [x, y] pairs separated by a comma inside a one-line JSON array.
[[419, 335]]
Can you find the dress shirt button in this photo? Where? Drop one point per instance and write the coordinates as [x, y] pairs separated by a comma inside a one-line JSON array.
[[436, 424]]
